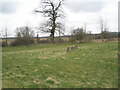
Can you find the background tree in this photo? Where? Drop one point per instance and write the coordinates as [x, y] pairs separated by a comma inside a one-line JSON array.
[[37, 37], [78, 34], [4, 35], [105, 34], [101, 26], [61, 31], [51, 10], [24, 36], [104, 29]]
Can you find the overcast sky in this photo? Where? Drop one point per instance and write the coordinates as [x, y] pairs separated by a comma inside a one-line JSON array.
[[17, 13]]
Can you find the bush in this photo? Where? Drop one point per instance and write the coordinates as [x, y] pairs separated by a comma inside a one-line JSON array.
[[72, 39], [22, 42], [14, 43], [44, 41], [24, 36], [3, 44], [87, 39], [59, 40]]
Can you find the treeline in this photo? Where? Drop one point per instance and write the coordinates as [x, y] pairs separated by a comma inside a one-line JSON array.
[[26, 36], [80, 35]]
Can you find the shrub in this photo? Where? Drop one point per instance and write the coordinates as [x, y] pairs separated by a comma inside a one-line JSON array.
[[44, 41], [24, 36], [22, 42], [3, 44]]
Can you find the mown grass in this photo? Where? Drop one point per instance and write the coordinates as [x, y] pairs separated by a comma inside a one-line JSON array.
[[92, 65]]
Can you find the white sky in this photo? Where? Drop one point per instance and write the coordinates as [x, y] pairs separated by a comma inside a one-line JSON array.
[[16, 13]]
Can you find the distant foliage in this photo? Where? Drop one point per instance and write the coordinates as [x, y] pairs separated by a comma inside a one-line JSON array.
[[105, 34], [3, 44], [24, 36], [44, 41], [78, 35]]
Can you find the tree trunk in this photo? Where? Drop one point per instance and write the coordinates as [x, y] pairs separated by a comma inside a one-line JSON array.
[[52, 38], [6, 42], [53, 29]]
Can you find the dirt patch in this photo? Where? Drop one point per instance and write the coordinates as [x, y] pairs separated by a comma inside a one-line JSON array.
[[52, 79]]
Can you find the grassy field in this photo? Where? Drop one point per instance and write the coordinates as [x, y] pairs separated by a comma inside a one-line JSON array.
[[92, 65]]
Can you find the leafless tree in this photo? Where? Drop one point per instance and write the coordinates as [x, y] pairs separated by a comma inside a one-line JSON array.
[[4, 35], [61, 30], [104, 29], [101, 26], [53, 11], [24, 36]]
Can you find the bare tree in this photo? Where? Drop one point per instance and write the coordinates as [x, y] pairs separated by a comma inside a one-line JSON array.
[[104, 29], [24, 36], [51, 10], [4, 35], [61, 30], [101, 25]]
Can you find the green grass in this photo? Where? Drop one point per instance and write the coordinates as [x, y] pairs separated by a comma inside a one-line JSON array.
[[92, 65]]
